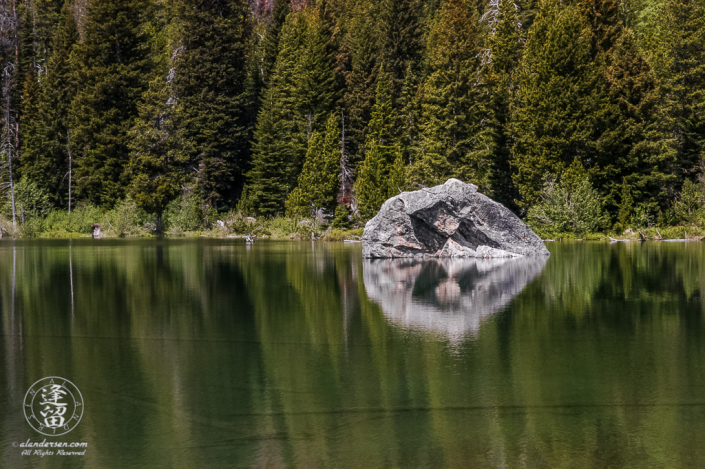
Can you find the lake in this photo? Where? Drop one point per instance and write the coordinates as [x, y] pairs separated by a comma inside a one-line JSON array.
[[210, 353]]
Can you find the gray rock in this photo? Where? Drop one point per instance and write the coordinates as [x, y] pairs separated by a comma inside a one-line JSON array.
[[451, 220]]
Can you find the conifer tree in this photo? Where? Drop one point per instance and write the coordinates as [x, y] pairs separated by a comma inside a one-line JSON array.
[[111, 64], [318, 182], [267, 186], [155, 172], [682, 80], [280, 10], [450, 115], [372, 186], [499, 74], [314, 75], [299, 97], [396, 182], [632, 145], [210, 86], [45, 154], [560, 102], [360, 49], [409, 113], [41, 19], [401, 40], [605, 24]]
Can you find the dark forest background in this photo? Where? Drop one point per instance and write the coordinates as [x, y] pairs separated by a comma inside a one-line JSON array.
[[579, 115]]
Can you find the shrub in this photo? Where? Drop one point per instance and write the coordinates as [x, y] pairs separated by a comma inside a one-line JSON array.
[[342, 217], [183, 214], [570, 205], [123, 220]]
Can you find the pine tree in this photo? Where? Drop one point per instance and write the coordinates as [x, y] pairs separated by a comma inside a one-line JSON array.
[[111, 65], [372, 186], [632, 145], [682, 80], [560, 103], [315, 79], [409, 113], [154, 171], [45, 155], [280, 11], [605, 24], [41, 18], [267, 180], [299, 97], [210, 86], [401, 40], [450, 115], [505, 49], [396, 182], [360, 51], [319, 181]]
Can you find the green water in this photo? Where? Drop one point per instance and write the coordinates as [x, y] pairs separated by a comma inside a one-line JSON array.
[[197, 354]]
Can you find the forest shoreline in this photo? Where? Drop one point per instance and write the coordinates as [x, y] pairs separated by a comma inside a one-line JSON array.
[[285, 229]]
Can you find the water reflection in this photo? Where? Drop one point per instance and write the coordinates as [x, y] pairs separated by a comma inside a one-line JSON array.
[[447, 296], [202, 353]]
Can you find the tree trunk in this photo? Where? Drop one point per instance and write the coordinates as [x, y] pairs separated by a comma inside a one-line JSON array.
[[159, 223]]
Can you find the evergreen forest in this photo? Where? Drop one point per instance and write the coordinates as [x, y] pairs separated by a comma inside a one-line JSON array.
[[579, 115]]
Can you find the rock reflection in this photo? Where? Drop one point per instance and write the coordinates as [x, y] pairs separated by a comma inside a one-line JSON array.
[[447, 296]]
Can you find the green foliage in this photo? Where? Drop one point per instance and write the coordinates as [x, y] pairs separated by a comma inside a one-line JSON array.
[[298, 100], [337, 234], [184, 214], [688, 207], [450, 120], [680, 66], [212, 98], [626, 205], [373, 185], [360, 58], [78, 222], [568, 205], [560, 101], [111, 65], [45, 154], [401, 39], [123, 220], [31, 201], [499, 75], [319, 181], [154, 99], [155, 172], [342, 218]]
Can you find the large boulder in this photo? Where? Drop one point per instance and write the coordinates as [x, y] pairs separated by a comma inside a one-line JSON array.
[[451, 220]]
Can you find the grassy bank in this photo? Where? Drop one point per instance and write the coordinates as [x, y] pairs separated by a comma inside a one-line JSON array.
[[654, 233], [184, 220], [188, 218]]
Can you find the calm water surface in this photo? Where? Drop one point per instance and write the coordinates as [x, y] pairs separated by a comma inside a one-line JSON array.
[[200, 353]]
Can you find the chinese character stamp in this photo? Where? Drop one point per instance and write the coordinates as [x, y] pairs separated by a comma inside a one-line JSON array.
[[53, 406]]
